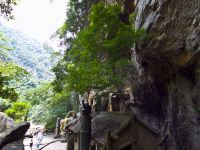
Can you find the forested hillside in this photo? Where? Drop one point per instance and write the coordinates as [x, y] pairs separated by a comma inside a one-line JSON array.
[[30, 54], [37, 59]]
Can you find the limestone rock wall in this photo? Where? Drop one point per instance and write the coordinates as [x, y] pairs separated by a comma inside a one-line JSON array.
[[167, 93], [170, 66]]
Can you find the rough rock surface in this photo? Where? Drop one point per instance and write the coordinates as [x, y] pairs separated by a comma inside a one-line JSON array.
[[167, 93], [11, 133], [170, 68]]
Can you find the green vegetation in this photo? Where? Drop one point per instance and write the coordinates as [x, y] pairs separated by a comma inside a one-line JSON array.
[[47, 105], [76, 20], [8, 72], [18, 111], [100, 51], [39, 63], [4, 104], [16, 82]]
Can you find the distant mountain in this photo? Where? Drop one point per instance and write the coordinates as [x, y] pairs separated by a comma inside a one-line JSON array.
[[32, 55]]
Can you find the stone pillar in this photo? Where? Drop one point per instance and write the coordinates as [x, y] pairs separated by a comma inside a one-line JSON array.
[[57, 132], [85, 131]]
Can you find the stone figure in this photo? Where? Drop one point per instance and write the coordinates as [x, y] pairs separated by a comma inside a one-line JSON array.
[[57, 130]]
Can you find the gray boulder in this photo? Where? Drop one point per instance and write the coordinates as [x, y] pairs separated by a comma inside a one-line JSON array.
[[11, 133]]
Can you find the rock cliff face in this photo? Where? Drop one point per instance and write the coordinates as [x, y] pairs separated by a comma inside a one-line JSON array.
[[168, 65]]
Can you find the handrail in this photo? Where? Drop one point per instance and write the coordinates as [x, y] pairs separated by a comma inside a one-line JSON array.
[[48, 144]]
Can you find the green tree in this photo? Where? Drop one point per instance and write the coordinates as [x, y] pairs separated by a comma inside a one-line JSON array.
[[47, 105], [4, 104], [8, 72], [76, 20], [18, 111], [100, 51], [6, 8]]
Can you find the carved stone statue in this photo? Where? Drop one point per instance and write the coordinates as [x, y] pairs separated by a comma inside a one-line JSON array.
[[86, 109]]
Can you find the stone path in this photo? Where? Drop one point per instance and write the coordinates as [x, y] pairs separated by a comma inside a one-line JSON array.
[[47, 139]]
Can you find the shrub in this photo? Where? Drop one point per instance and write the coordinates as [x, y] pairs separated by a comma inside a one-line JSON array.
[[18, 111]]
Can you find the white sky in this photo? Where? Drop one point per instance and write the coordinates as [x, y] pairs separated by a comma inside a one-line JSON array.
[[39, 18]]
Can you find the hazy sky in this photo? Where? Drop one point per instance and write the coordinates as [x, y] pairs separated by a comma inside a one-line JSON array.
[[39, 18]]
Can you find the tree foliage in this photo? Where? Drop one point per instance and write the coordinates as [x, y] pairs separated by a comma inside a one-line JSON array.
[[18, 111], [9, 71], [100, 50], [76, 20], [4, 104], [47, 105], [6, 7], [39, 63]]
